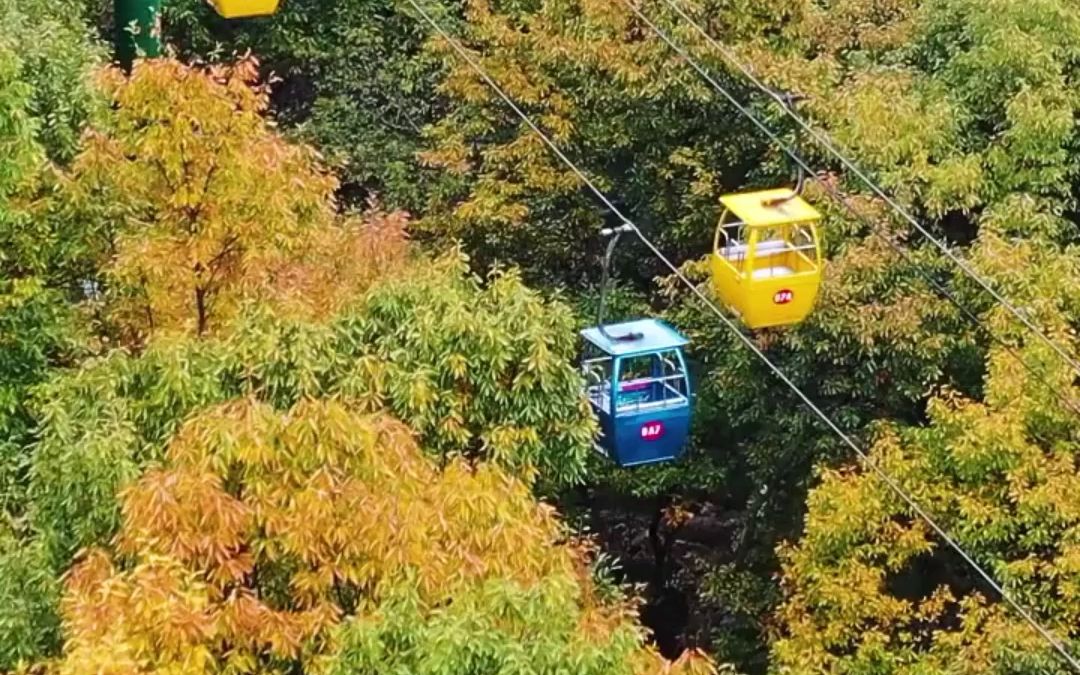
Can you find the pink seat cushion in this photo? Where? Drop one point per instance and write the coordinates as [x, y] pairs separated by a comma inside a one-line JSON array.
[[635, 385]]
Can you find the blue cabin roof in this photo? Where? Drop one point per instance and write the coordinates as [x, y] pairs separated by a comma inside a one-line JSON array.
[[655, 336]]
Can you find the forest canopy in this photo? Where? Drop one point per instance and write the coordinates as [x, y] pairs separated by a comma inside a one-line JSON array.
[[289, 339]]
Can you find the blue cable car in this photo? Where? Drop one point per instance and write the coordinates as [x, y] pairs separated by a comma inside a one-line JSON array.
[[636, 381], [639, 390], [638, 386]]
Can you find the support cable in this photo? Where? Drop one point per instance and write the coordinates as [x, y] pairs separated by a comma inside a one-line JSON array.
[[805, 169], [749, 344], [827, 143]]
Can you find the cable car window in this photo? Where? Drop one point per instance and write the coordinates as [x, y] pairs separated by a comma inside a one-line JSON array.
[[771, 241], [674, 376], [635, 368], [733, 239], [596, 369], [802, 238], [651, 381]]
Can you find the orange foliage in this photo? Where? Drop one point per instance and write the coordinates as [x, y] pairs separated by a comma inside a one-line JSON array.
[[205, 205], [338, 262], [264, 528]]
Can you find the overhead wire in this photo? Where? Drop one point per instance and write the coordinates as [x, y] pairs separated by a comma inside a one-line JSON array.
[[884, 476], [837, 196], [827, 143]]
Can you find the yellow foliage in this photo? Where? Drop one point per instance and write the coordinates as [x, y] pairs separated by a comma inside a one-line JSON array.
[[354, 498], [335, 264], [691, 662], [872, 25], [207, 205], [330, 503], [870, 583]]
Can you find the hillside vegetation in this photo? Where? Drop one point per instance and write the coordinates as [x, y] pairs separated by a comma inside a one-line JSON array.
[[288, 341]]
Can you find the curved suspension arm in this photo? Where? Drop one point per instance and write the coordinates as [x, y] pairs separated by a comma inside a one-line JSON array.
[[615, 234], [789, 99]]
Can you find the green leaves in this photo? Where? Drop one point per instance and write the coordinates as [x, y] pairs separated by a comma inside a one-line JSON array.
[[433, 347], [493, 628], [870, 581], [28, 594], [46, 56], [479, 372], [57, 52], [17, 127], [37, 331]]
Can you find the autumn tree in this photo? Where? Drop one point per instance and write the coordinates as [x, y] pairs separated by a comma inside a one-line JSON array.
[[904, 89], [311, 303], [869, 585], [352, 79], [659, 142], [263, 530], [482, 373], [197, 203]]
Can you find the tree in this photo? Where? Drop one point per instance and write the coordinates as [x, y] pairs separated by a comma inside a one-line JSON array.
[[42, 52], [47, 57], [263, 529], [483, 373], [195, 200], [615, 101], [964, 109], [46, 54], [306, 303], [432, 344], [37, 331], [56, 53], [29, 591], [352, 78], [498, 626], [903, 88], [870, 587]]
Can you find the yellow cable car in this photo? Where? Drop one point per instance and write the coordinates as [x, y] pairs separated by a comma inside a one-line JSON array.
[[235, 9], [766, 263]]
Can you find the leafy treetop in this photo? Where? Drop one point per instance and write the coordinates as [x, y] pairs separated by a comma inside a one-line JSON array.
[[194, 199], [481, 372], [869, 586], [263, 529]]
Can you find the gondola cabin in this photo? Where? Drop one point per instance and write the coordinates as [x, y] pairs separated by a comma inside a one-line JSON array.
[[639, 389], [766, 261], [236, 9]]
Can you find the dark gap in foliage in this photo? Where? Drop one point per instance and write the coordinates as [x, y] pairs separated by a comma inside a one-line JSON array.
[[959, 228], [942, 567], [666, 615], [293, 95]]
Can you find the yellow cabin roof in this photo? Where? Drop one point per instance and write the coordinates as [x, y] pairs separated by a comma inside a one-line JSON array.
[[232, 9], [750, 208]]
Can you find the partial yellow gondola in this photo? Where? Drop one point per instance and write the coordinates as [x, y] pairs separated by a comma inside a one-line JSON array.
[[236, 9], [766, 260]]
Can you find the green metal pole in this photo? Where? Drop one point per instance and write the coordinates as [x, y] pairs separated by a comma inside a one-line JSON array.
[[137, 30]]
